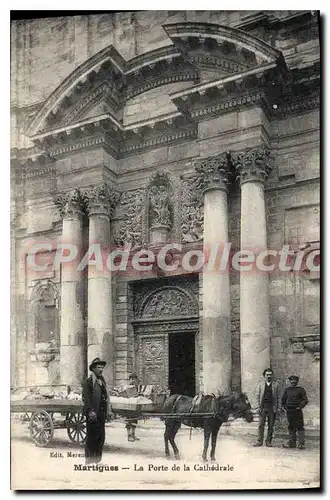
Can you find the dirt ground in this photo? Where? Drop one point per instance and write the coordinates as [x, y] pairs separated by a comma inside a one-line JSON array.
[[142, 466]]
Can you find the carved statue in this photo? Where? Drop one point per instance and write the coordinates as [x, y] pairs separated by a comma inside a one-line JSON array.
[[160, 206]]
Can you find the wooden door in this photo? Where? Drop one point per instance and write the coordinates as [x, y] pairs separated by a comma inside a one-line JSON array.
[[153, 360]]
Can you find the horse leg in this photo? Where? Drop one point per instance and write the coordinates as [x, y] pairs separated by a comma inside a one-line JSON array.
[[207, 432], [174, 429], [214, 436], [166, 434]]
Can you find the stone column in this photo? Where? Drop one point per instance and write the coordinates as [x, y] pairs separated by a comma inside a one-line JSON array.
[[72, 336], [213, 178], [101, 203], [253, 167]]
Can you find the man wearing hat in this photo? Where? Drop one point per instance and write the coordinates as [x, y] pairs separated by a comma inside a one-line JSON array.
[[95, 399], [294, 400]]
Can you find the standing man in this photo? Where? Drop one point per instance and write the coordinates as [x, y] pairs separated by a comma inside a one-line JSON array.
[[294, 400], [268, 405], [95, 399], [134, 389]]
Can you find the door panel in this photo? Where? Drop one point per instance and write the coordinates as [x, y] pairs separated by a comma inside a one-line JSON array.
[[153, 361]]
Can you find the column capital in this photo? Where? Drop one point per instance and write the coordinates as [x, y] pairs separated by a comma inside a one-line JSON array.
[[72, 204], [253, 165], [213, 173], [101, 200]]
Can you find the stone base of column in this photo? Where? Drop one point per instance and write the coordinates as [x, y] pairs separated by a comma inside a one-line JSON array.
[[72, 363], [216, 355]]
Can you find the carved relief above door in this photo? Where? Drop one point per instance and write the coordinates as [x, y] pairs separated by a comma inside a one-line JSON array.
[[174, 298]]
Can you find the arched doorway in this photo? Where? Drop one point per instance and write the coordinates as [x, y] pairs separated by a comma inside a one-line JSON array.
[[166, 335]]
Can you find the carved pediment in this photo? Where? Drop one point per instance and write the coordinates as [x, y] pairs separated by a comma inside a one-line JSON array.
[[168, 302]]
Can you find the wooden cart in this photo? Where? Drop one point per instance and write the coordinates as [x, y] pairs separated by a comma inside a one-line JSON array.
[[43, 419]]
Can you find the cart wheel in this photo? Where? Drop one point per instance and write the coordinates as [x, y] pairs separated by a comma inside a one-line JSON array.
[[41, 428], [76, 427]]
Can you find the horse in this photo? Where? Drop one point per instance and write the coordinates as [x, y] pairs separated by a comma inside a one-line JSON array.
[[236, 405]]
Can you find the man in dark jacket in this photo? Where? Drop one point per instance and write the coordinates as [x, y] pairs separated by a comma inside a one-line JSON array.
[[294, 400], [95, 399]]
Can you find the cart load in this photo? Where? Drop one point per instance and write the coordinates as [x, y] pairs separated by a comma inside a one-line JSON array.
[[149, 398], [46, 393]]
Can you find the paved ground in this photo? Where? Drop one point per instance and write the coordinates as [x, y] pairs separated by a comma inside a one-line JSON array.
[[141, 465]]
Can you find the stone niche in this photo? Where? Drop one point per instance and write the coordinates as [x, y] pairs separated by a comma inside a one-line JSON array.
[[45, 326], [160, 210]]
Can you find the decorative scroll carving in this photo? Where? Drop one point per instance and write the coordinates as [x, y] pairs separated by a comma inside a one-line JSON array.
[[213, 172], [152, 361], [130, 229], [192, 211], [159, 197], [252, 165], [168, 302], [101, 200], [71, 204]]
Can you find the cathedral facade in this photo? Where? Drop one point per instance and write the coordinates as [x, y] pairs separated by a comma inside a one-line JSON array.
[[175, 130]]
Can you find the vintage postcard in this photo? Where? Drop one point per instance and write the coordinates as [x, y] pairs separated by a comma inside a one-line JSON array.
[[165, 250]]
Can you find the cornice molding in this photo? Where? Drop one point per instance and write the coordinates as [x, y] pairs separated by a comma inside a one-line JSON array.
[[263, 50], [229, 105], [161, 140], [296, 107]]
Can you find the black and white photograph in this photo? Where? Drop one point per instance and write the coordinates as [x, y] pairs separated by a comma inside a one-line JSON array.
[[165, 250]]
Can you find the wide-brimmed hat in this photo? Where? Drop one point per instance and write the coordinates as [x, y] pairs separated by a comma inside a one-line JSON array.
[[294, 377], [96, 361]]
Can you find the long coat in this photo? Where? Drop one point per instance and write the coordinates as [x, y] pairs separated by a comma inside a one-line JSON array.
[[260, 391], [91, 398]]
